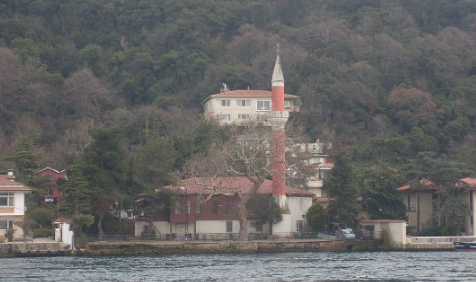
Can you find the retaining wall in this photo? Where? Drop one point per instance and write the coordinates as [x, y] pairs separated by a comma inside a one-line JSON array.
[[34, 249], [143, 248]]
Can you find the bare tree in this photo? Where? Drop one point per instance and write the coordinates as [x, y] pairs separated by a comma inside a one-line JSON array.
[[86, 95], [245, 155]]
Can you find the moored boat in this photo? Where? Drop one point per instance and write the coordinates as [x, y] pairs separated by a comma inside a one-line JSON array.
[[465, 246]]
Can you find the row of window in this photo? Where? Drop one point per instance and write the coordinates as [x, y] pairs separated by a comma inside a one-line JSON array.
[[6, 199], [227, 117], [6, 224], [213, 207], [261, 105]]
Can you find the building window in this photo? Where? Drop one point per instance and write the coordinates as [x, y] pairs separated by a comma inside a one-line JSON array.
[[6, 224], [325, 174], [178, 207], [224, 118], [214, 206], [317, 160], [189, 207], [229, 207], [259, 226], [287, 104], [263, 105], [299, 225], [198, 207], [6, 199], [229, 226], [243, 116], [223, 103], [243, 103]]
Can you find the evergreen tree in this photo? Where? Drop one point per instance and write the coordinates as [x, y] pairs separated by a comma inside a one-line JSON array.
[[105, 172], [265, 209], [380, 195], [341, 188], [317, 217]]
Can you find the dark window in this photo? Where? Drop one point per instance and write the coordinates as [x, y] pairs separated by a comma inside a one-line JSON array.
[[229, 207], [325, 174], [299, 225], [198, 209], [229, 226], [259, 226], [4, 224], [189, 208], [6, 199], [178, 208], [214, 206]]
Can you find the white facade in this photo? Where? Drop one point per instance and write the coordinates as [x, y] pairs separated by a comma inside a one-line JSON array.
[[12, 205], [63, 233], [241, 106]]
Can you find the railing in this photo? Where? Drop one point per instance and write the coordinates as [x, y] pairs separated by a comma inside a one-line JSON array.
[[111, 238]]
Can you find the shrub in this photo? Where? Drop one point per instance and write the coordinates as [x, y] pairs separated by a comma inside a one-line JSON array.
[[42, 232], [43, 216], [9, 235], [81, 240]]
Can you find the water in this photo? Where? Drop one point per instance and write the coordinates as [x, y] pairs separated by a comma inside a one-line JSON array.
[[365, 266]]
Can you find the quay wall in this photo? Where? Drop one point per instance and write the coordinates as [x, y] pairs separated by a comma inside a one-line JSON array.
[[158, 248], [31, 249]]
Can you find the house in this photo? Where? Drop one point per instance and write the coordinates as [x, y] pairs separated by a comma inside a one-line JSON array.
[[241, 106], [12, 204], [53, 194], [320, 159], [418, 215], [197, 212]]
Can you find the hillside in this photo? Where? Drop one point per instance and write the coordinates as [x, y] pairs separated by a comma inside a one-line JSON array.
[[366, 71]]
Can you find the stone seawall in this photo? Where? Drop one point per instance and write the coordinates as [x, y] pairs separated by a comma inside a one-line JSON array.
[[28, 249], [159, 248]]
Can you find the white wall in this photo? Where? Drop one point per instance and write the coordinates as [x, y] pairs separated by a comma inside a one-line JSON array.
[[397, 232], [67, 235], [216, 226], [298, 206], [162, 226]]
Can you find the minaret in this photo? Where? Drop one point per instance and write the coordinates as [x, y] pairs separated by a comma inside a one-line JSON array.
[[278, 119]]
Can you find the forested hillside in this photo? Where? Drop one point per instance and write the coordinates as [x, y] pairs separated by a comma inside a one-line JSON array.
[[382, 79]]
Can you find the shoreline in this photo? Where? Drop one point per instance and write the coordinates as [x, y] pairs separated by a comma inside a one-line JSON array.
[[138, 248]]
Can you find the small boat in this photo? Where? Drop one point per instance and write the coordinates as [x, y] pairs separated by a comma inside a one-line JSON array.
[[465, 246]]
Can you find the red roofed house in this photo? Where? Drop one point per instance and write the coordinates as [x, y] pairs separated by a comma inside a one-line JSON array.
[[218, 216], [427, 195], [244, 105], [53, 193], [12, 204]]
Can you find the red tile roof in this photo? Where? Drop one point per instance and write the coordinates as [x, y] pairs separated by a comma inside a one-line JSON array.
[[49, 168], [248, 94], [229, 186], [7, 184], [428, 185], [62, 220]]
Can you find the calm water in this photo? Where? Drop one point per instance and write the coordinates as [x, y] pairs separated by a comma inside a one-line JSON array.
[[388, 266]]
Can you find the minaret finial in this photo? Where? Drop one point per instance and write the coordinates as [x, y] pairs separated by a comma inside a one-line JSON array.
[[277, 49]]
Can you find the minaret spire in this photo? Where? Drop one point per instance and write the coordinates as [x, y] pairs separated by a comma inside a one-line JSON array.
[[278, 120]]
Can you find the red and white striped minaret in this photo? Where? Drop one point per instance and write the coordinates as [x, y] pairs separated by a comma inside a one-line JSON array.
[[278, 119]]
